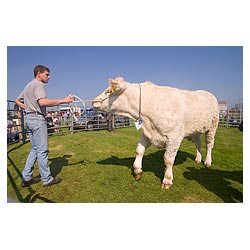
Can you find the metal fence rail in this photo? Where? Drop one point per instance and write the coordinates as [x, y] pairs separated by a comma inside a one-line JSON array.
[[87, 122], [231, 118]]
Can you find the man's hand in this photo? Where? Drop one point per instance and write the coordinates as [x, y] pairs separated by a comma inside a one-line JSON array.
[[68, 99], [20, 104]]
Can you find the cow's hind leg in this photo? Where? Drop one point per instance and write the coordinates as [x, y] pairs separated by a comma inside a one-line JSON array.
[[143, 144], [210, 144], [169, 158], [198, 145], [209, 136]]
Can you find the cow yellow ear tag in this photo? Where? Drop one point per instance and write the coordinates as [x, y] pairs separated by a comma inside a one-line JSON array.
[[139, 123], [116, 88]]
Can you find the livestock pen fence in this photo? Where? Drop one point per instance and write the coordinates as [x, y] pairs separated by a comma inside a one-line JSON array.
[[231, 118], [62, 119]]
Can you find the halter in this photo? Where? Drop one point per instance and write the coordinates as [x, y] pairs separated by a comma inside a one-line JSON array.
[[139, 106], [104, 98], [139, 119]]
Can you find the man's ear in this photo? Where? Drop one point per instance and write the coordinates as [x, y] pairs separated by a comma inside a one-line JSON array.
[[117, 84]]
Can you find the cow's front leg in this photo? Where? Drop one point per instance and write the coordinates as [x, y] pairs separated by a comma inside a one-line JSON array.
[[143, 144], [169, 158], [167, 182]]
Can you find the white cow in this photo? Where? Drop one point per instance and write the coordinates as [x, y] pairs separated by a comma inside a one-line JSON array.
[[166, 116]]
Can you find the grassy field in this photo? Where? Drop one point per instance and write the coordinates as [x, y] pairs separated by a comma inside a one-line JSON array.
[[96, 167]]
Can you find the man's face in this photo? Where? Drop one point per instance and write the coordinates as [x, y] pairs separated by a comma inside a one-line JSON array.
[[44, 77]]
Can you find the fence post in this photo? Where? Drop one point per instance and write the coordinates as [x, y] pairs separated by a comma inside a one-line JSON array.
[[22, 126], [227, 118], [71, 122]]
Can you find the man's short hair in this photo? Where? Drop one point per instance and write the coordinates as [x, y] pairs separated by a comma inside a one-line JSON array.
[[40, 69]]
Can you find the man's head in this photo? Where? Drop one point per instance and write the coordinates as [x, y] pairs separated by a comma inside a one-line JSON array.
[[42, 73]]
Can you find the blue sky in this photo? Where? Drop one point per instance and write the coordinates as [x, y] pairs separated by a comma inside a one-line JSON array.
[[84, 70]]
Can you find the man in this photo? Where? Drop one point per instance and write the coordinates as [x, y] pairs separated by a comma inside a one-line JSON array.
[[35, 103]]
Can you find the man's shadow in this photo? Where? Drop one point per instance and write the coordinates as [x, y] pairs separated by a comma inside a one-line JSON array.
[[32, 195], [57, 164]]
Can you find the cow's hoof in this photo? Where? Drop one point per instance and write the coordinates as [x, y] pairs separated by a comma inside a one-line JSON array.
[[166, 186], [198, 161], [207, 164], [138, 177]]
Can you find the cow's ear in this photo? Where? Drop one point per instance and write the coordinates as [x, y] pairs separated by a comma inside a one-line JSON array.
[[115, 85]]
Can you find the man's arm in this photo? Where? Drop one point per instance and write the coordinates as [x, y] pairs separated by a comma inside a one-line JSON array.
[[45, 102], [19, 103]]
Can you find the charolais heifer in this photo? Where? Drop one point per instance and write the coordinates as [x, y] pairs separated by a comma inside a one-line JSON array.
[[166, 116]]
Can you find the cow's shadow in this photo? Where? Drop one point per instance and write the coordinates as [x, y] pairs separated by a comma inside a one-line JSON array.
[[218, 181], [156, 158], [214, 180]]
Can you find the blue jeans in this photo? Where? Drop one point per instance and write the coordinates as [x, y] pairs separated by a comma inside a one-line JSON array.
[[36, 126]]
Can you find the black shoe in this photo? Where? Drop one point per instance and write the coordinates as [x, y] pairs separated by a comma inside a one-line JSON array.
[[55, 181], [31, 181]]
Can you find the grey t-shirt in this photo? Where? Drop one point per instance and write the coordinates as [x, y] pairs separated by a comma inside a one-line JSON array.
[[32, 92]]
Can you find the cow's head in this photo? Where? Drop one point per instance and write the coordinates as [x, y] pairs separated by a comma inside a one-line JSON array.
[[105, 100]]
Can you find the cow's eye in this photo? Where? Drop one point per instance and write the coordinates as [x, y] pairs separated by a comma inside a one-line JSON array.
[[108, 91]]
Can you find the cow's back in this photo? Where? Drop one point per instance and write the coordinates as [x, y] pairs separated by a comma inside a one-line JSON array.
[[170, 109]]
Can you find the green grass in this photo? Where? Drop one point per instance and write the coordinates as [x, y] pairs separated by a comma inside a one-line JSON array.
[[96, 167]]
